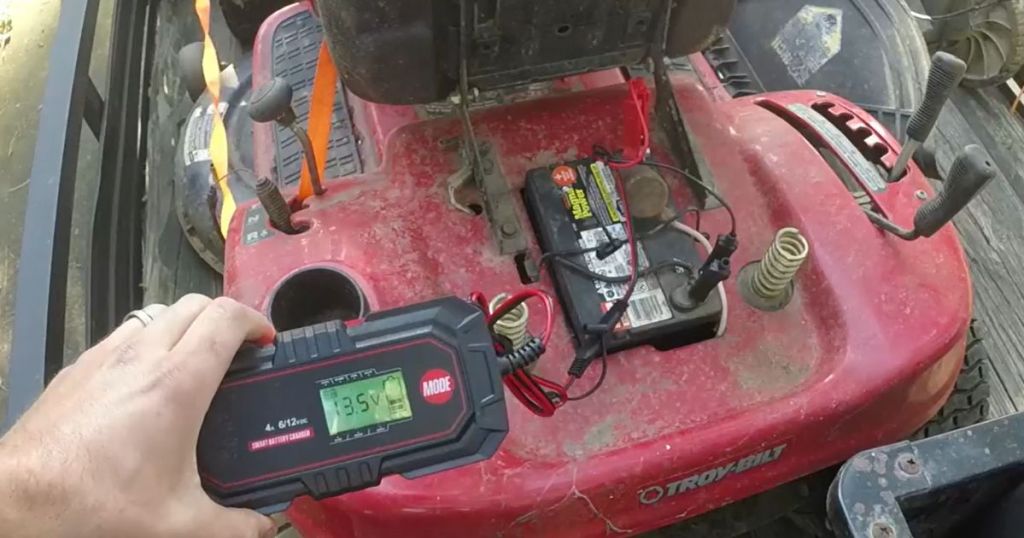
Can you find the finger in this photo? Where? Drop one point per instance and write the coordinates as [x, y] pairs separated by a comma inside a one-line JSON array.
[[212, 341], [131, 328], [239, 523], [119, 343], [165, 331], [248, 523], [133, 325]]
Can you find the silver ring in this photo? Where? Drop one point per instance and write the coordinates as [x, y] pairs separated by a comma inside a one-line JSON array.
[[146, 315]]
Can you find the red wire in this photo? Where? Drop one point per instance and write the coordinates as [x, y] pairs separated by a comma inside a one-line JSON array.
[[559, 390], [481, 301], [646, 146], [527, 388]]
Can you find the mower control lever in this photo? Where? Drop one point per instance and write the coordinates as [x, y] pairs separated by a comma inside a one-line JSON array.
[[971, 171], [272, 102], [274, 204], [945, 75]]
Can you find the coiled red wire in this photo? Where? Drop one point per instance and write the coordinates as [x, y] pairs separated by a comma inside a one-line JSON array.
[[541, 396]]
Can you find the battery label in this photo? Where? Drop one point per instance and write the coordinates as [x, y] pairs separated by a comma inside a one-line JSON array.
[[605, 183], [196, 143], [648, 305]]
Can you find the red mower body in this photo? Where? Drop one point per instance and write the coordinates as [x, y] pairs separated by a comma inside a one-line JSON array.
[[867, 351]]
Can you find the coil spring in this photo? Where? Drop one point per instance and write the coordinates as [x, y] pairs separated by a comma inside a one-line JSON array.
[[780, 264], [513, 324]]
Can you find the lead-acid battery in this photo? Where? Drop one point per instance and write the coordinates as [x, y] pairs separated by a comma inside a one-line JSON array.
[[577, 207]]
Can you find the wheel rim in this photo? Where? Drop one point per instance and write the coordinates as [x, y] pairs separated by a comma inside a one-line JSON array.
[[989, 44]]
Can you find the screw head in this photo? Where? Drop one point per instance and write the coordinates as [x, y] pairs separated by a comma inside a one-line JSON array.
[[921, 195], [881, 529], [508, 229], [909, 464]]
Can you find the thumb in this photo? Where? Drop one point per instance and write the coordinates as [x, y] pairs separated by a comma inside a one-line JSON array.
[[239, 523]]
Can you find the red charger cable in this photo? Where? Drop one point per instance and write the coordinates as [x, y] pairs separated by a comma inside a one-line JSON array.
[[529, 389], [636, 127]]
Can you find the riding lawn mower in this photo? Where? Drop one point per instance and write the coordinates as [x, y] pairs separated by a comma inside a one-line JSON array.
[[537, 272]]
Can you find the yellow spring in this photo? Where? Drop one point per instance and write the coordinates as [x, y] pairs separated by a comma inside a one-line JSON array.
[[513, 324], [780, 263]]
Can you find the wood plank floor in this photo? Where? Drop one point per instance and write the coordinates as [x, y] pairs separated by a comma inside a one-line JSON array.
[[993, 232]]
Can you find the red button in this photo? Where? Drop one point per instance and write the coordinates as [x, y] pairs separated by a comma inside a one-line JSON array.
[[437, 386]]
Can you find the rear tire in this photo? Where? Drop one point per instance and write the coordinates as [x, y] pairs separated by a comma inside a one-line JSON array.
[[171, 267], [968, 404]]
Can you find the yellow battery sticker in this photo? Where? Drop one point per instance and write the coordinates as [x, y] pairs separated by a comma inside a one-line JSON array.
[[605, 183]]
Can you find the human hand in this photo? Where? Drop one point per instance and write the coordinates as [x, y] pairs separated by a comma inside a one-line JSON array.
[[109, 449]]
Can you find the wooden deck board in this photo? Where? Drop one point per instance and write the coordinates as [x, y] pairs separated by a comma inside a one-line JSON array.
[[993, 232]]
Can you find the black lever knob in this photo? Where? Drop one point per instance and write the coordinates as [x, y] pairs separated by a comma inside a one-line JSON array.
[[944, 76], [971, 171], [272, 102]]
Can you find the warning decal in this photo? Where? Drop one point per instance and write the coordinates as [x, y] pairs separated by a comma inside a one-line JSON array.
[[648, 305], [563, 176]]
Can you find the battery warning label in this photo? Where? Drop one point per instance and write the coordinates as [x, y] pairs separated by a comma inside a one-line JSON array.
[[564, 176], [648, 305], [605, 184]]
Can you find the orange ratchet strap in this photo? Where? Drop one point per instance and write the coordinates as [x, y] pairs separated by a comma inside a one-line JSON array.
[[321, 114], [219, 135], [320, 117]]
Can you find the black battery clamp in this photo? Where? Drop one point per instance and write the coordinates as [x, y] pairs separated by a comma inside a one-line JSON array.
[[330, 409]]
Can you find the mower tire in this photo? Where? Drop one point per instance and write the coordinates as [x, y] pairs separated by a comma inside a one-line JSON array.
[[968, 404], [171, 267]]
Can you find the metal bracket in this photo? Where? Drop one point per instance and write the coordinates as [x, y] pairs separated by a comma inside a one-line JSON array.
[[498, 200], [670, 119]]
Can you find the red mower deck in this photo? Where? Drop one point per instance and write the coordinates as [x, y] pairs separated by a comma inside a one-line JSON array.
[[866, 352]]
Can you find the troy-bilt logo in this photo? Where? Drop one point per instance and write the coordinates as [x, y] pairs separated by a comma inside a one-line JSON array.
[[437, 386], [656, 493]]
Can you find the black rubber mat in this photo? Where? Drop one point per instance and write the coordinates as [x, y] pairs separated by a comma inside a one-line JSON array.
[[296, 47]]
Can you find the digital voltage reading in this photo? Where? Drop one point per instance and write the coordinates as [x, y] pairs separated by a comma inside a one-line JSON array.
[[367, 402]]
